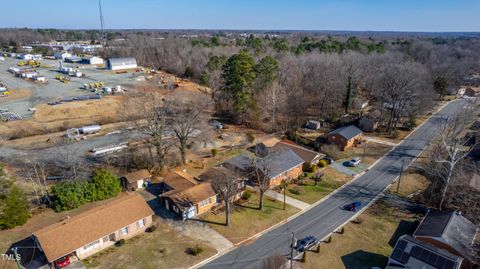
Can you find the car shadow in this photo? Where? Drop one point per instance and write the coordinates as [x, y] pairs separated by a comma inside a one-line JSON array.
[[362, 260]]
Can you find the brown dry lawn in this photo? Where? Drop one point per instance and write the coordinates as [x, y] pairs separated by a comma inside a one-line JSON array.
[[373, 151], [199, 164], [162, 248], [363, 245], [247, 220], [311, 193]]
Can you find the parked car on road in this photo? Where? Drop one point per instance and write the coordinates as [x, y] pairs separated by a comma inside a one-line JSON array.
[[354, 162], [306, 243], [62, 262], [354, 207]]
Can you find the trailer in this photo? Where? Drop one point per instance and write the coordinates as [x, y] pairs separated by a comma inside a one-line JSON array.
[[108, 149]]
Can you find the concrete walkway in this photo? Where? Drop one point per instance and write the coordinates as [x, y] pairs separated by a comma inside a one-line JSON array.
[[380, 141], [289, 200]]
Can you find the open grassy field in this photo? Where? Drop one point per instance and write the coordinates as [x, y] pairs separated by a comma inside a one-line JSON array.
[[162, 248], [247, 220], [310, 193], [364, 245]]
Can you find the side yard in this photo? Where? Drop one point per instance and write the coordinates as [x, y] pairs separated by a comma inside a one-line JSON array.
[[247, 220]]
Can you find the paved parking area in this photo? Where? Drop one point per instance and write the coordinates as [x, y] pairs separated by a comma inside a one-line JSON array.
[[352, 171]]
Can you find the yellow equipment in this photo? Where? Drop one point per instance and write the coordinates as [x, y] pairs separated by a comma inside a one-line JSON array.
[[21, 63]]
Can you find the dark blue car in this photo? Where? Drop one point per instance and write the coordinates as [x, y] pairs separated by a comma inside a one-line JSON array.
[[354, 207], [306, 243]]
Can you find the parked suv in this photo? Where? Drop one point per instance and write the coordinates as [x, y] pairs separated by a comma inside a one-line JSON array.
[[306, 243]]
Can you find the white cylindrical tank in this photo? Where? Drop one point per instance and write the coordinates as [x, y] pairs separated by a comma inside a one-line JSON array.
[[90, 129]]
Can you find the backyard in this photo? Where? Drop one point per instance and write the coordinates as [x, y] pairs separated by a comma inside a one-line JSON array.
[[247, 220]]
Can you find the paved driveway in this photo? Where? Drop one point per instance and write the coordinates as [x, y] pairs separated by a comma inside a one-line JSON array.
[[326, 217]]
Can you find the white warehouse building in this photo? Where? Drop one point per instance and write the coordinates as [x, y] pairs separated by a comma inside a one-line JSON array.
[[121, 63]]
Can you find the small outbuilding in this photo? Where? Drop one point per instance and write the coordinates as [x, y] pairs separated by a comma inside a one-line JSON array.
[[345, 137], [313, 125], [136, 180], [121, 63]]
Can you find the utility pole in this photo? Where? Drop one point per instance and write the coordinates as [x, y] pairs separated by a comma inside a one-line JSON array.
[[401, 173], [291, 250], [364, 147], [284, 194]]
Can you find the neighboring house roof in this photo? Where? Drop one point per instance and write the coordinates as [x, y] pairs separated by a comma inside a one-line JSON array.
[[412, 253], [241, 162], [137, 175], [451, 227], [348, 132], [279, 161], [64, 237], [216, 172], [307, 155], [178, 181], [190, 196]]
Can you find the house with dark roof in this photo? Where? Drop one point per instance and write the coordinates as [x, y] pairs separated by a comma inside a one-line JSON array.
[[136, 180], [219, 174], [185, 196], [411, 253], [98, 228], [281, 164], [450, 231], [308, 156], [345, 137]]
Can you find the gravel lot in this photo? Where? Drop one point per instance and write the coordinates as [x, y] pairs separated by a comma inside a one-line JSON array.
[[53, 89]]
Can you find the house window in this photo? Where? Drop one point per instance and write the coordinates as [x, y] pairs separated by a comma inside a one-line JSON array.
[[205, 202], [91, 245], [124, 231], [175, 209], [141, 223]]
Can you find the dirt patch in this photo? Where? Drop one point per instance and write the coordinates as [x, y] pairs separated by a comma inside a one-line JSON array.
[[16, 94]]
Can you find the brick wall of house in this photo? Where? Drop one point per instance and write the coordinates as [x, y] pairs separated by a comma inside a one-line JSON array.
[[206, 208], [342, 143], [293, 174], [133, 230]]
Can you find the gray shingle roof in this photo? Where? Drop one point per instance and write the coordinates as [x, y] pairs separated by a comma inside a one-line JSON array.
[[453, 228], [279, 161], [348, 132]]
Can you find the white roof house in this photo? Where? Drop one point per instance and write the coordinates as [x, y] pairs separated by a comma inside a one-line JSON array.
[[121, 63]]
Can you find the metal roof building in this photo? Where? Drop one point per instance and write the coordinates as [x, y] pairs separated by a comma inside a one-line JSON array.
[[121, 63]]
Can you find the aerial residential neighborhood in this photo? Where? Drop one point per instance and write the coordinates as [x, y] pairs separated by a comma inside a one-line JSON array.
[[240, 134]]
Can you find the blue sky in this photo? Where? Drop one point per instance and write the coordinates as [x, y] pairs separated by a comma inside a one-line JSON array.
[[379, 15]]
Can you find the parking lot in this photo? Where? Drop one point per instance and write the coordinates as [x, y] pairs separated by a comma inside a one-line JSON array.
[[53, 89]]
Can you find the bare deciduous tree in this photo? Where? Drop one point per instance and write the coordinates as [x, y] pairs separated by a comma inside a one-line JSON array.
[[261, 173], [227, 185]]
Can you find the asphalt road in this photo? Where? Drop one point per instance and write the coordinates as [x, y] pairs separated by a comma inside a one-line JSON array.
[[326, 217]]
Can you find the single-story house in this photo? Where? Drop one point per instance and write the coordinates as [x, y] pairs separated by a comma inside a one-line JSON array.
[[367, 124], [308, 156], [185, 196], [98, 228], [220, 173], [472, 91], [345, 137], [448, 230], [136, 180], [411, 253]]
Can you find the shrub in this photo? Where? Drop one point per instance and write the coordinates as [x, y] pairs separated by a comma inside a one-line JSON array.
[[296, 190], [309, 167], [250, 138], [195, 250], [152, 229], [322, 163], [214, 152], [246, 195], [412, 122]]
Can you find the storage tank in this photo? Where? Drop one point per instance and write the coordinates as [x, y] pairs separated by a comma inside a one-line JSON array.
[[90, 129]]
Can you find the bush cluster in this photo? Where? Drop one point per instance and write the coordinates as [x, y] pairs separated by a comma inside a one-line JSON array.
[[246, 195], [72, 194], [194, 251]]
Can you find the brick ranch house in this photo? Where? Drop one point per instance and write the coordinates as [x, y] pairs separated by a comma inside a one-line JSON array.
[[98, 228], [345, 137], [281, 164], [185, 196], [220, 173]]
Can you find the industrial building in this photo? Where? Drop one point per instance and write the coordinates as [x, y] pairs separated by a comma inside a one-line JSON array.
[[121, 63], [92, 60], [61, 55]]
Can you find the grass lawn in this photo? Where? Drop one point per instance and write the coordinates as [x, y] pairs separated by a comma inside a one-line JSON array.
[[309, 193], [366, 244], [162, 248], [410, 184], [246, 220]]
